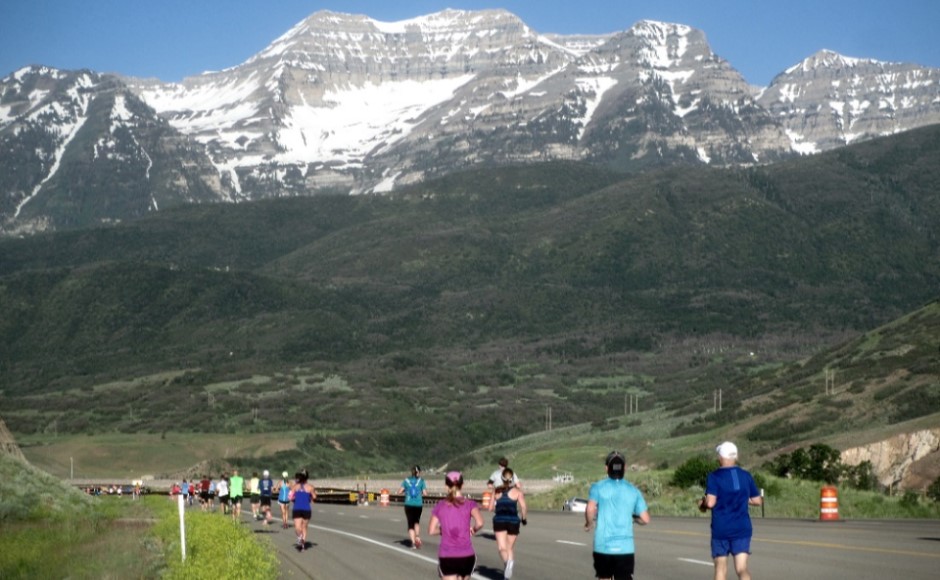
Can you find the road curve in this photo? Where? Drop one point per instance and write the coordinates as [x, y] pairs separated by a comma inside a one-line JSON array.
[[369, 542]]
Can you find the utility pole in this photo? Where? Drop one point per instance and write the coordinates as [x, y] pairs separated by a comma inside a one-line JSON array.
[[716, 400]]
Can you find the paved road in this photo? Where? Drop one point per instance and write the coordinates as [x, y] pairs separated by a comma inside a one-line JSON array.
[[368, 542]]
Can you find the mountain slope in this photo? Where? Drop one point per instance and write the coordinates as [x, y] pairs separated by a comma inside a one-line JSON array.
[[845, 240]]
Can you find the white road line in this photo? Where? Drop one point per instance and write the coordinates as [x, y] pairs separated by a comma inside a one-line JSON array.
[[570, 543], [409, 552], [690, 561], [363, 517]]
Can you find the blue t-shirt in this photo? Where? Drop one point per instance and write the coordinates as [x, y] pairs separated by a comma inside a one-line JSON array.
[[414, 488], [617, 502], [732, 486], [265, 486]]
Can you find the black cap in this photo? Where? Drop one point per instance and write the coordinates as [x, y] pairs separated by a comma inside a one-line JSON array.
[[616, 465]]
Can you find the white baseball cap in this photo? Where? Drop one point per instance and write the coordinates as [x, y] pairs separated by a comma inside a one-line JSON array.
[[266, 473], [727, 450]]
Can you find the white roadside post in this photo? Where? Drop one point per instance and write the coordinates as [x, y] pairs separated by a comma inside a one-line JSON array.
[[182, 506]]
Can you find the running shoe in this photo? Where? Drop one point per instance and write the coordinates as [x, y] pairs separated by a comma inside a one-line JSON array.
[[507, 573], [417, 543]]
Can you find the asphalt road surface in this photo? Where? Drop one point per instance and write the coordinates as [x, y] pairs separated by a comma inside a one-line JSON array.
[[371, 542]]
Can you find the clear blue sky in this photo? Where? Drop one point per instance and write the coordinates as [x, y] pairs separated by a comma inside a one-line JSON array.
[[172, 39]]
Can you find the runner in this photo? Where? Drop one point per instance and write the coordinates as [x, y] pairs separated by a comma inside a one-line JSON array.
[[456, 558], [283, 498], [212, 494], [616, 505], [223, 493], [266, 487], [255, 498], [204, 492], [414, 488], [236, 491], [510, 511], [304, 496]]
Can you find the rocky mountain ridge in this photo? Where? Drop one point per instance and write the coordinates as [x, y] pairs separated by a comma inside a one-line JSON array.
[[349, 104]]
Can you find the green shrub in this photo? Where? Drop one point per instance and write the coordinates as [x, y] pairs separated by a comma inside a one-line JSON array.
[[694, 471], [216, 547], [933, 490], [770, 486]]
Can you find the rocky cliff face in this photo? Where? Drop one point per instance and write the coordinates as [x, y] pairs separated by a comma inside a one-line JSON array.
[[894, 458]]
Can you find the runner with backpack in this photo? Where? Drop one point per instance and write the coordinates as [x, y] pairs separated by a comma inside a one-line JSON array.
[[414, 489]]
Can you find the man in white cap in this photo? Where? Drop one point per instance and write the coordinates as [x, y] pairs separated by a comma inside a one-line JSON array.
[[729, 490]]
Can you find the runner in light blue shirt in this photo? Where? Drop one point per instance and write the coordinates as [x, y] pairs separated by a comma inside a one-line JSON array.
[[616, 504]]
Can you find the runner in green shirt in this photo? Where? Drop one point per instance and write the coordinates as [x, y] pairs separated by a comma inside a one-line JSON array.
[[236, 493]]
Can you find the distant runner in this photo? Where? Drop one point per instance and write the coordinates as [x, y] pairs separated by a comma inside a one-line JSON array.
[[255, 500], [236, 491], [414, 488], [510, 511], [222, 490], [283, 499], [266, 488], [304, 496]]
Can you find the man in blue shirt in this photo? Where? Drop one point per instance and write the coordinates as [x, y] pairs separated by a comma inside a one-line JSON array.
[[616, 504], [729, 490]]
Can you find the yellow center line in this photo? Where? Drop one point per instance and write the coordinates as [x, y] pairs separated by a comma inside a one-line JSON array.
[[810, 544]]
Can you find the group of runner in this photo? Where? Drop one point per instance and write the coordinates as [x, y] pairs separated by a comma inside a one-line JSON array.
[[231, 490], [450, 517], [614, 506]]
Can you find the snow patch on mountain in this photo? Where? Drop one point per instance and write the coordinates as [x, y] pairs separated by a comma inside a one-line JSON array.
[[68, 129], [593, 89], [355, 120]]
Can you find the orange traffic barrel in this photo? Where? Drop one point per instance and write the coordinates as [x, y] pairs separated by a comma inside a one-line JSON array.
[[487, 498], [829, 503], [383, 498]]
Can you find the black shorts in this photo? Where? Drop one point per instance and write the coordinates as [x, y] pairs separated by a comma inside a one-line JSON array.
[[413, 515], [457, 566], [236, 499], [302, 514], [224, 499], [266, 500], [204, 495], [618, 567], [508, 527]]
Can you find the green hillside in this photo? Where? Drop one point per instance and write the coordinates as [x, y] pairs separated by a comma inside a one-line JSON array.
[[479, 300]]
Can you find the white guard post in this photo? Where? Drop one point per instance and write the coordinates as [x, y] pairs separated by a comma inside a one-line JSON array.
[[182, 526]]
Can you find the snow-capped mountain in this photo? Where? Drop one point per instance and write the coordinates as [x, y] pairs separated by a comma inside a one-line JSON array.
[[81, 148], [350, 104], [830, 100]]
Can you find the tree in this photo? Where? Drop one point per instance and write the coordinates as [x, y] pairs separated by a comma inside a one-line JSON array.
[[933, 490], [825, 463]]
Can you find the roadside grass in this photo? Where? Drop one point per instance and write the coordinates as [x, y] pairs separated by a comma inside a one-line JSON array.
[[50, 530], [216, 546], [785, 499]]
